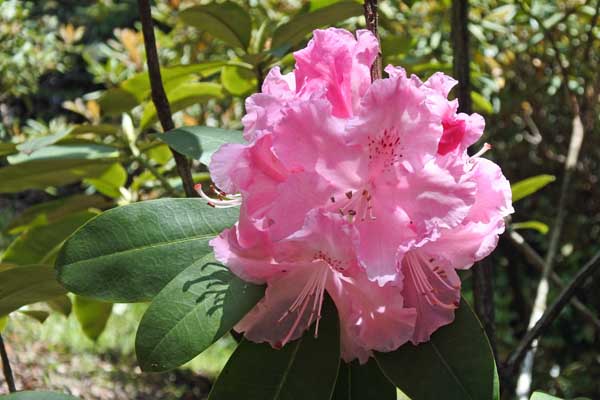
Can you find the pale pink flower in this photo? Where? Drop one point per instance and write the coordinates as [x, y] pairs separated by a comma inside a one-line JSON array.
[[361, 190]]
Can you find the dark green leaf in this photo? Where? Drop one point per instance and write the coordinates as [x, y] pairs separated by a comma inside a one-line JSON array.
[[38, 244], [116, 101], [52, 211], [27, 285], [182, 97], [238, 81], [7, 149], [193, 311], [37, 396], [62, 304], [363, 382], [92, 315], [303, 369], [38, 315], [200, 142], [457, 361], [529, 186], [130, 253], [226, 21], [292, 32]]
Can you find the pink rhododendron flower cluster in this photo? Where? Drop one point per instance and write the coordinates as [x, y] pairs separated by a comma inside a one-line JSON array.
[[361, 190]]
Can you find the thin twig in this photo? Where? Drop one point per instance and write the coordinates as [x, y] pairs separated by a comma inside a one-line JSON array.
[[372, 20], [554, 311], [537, 262], [8, 374], [159, 97]]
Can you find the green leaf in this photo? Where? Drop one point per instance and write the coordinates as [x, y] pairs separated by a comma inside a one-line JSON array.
[[27, 285], [44, 173], [238, 81], [37, 396], [199, 142], [99, 129], [116, 101], [535, 225], [364, 382], [40, 142], [193, 311], [52, 211], [110, 181], [543, 396], [38, 244], [3, 323], [226, 21], [529, 186], [457, 361], [160, 154], [61, 304], [38, 315], [182, 97], [130, 253], [92, 315], [481, 104], [303, 369], [139, 85], [63, 152], [291, 33], [7, 149]]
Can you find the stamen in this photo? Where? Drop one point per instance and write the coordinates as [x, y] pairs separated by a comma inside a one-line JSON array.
[[416, 265], [223, 200], [360, 206], [484, 149]]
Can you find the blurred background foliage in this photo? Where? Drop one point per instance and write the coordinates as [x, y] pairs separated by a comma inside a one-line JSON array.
[[76, 137]]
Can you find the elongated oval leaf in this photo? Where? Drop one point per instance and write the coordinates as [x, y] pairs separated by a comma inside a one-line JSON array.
[[238, 81], [61, 304], [38, 315], [226, 21], [27, 285], [43, 173], [38, 396], [92, 315], [543, 396], [7, 149], [130, 253], [458, 361], [62, 152], [200, 142], [292, 32], [139, 85], [3, 323], [303, 369], [535, 225], [184, 96], [38, 244], [529, 186], [364, 382], [193, 311]]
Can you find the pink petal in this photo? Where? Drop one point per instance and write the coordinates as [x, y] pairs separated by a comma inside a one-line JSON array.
[[433, 290]]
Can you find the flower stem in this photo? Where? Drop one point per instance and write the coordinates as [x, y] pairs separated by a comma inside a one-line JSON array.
[[372, 21]]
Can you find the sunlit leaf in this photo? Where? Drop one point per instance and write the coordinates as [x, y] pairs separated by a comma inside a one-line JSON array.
[[543, 396], [109, 182], [92, 315], [481, 104], [535, 225], [238, 81], [116, 101], [66, 152], [182, 97], [529, 186]]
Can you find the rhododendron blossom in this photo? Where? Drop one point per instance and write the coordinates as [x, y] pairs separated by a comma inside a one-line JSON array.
[[362, 191]]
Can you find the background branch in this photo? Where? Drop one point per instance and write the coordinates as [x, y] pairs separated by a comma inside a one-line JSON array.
[[372, 21], [8, 374], [159, 97], [554, 311]]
